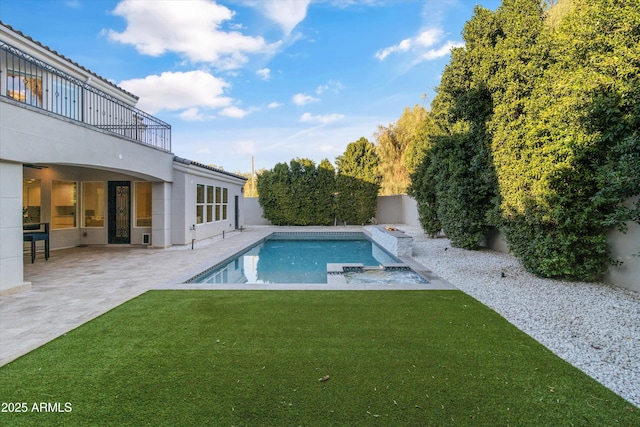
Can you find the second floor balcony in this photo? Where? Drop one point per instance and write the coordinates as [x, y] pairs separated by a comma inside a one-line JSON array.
[[34, 83]]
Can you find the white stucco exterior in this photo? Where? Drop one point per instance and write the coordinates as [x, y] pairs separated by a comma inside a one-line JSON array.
[[92, 157]]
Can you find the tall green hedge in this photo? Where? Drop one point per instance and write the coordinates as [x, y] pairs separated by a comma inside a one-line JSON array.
[[538, 133], [299, 193], [358, 183]]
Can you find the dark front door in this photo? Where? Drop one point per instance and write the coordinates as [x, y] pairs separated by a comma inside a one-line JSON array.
[[120, 212]]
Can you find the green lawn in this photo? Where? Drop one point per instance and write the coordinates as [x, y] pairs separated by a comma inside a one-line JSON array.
[[226, 358]]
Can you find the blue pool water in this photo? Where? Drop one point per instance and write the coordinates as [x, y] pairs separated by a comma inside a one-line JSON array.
[[290, 259]]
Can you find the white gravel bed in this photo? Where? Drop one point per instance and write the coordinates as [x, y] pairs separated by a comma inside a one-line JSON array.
[[593, 326]]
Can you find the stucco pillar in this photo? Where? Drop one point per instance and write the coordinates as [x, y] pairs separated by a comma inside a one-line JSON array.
[[161, 215], [11, 262]]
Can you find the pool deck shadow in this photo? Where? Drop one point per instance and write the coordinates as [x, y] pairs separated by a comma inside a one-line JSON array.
[[79, 284]]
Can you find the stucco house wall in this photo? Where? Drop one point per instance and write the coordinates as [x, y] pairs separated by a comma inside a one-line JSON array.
[[86, 146], [187, 176], [55, 140], [11, 259]]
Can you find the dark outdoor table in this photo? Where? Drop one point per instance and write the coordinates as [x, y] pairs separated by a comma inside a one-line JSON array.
[[34, 233]]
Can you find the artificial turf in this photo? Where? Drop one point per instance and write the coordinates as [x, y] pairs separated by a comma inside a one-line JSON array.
[[234, 358]]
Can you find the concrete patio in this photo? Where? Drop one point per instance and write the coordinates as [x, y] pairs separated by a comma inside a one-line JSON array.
[[79, 284]]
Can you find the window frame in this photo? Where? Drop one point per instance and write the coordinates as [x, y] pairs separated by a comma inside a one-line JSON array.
[[135, 204], [200, 203], [210, 203], [26, 206], [225, 202], [83, 209], [57, 222]]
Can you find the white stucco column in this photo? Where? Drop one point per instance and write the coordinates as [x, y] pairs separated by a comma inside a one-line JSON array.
[[161, 215], [11, 262]]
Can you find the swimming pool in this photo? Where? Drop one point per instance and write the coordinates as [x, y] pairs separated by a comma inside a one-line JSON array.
[[298, 258]]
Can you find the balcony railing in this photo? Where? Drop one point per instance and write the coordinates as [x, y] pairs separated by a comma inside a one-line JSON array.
[[33, 82]]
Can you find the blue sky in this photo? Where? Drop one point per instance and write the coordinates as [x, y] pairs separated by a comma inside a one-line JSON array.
[[272, 79]]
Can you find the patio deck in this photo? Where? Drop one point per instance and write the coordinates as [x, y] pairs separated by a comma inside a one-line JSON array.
[[79, 284]]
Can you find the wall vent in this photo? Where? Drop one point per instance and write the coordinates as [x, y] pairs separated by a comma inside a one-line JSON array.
[[146, 238]]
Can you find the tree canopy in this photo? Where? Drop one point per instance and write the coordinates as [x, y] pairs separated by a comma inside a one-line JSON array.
[[399, 148]]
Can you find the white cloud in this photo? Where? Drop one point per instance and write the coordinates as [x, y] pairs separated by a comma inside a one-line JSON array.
[[303, 99], [234, 112], [171, 91], [286, 13], [274, 104], [331, 85], [383, 53], [264, 73], [189, 28], [421, 47], [403, 46], [321, 118], [192, 115], [429, 37], [444, 50]]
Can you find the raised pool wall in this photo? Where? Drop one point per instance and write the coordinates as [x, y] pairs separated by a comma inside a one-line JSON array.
[[402, 209], [396, 242]]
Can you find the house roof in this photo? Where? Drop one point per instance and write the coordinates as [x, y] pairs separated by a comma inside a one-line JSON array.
[[211, 168], [75, 64]]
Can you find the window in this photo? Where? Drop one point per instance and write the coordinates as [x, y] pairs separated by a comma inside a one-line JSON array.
[[93, 204], [24, 87], [200, 204], [143, 204], [31, 201], [63, 204], [209, 203], [218, 202], [225, 201]]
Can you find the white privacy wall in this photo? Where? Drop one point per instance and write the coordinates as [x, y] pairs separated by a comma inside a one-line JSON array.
[[402, 209]]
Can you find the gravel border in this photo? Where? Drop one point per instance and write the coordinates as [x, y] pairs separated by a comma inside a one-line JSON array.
[[593, 326]]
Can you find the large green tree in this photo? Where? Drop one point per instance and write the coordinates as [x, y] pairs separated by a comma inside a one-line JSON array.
[[399, 146], [455, 184]]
